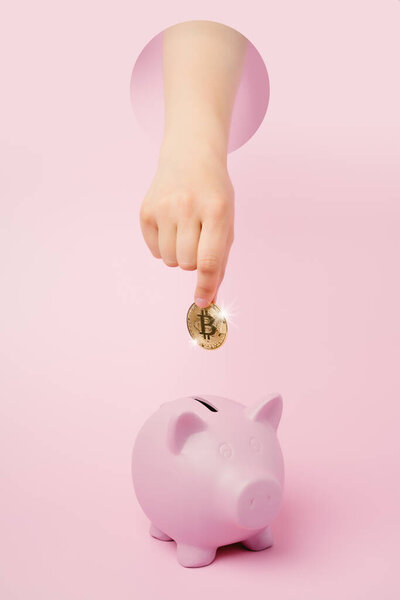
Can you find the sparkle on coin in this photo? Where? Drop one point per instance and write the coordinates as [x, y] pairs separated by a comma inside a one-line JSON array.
[[207, 326]]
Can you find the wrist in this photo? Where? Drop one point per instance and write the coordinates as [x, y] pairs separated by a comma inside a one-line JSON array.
[[193, 144], [189, 127]]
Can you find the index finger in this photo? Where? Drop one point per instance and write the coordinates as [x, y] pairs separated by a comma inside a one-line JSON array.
[[210, 256]]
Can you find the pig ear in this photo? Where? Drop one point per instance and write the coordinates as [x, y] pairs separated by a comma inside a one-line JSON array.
[[269, 410], [181, 427]]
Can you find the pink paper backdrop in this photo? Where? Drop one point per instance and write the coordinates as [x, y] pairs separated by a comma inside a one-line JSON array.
[[92, 327]]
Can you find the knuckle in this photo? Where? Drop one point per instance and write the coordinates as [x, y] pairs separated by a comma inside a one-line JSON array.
[[163, 206], [219, 207], [185, 203], [187, 266], [146, 215], [208, 264], [204, 291], [170, 262], [179, 203]]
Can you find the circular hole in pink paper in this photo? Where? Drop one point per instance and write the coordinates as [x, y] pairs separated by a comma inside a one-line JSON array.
[[147, 94]]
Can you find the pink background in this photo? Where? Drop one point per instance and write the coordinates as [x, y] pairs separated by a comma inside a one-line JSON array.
[[92, 327]]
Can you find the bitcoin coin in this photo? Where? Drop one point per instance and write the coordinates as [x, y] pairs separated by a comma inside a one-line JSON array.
[[207, 326]]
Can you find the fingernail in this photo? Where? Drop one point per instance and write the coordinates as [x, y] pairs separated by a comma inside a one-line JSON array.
[[201, 302]]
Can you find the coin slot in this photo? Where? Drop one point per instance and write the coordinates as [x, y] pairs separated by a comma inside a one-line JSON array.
[[206, 404]]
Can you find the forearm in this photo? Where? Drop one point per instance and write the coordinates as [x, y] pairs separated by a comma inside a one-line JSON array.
[[203, 63]]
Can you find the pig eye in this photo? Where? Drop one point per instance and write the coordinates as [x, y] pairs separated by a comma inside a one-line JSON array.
[[225, 450], [255, 444]]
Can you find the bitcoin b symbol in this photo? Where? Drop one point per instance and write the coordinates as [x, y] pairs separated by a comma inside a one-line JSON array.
[[207, 327]]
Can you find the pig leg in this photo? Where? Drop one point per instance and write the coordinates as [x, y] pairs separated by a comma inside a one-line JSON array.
[[259, 541], [193, 556], [157, 533]]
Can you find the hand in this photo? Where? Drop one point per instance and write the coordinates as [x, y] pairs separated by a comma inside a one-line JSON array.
[[187, 215]]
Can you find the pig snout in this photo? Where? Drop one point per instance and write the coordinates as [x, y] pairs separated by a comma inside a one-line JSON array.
[[258, 503]]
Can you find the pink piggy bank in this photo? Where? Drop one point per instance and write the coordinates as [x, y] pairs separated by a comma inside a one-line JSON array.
[[208, 471]]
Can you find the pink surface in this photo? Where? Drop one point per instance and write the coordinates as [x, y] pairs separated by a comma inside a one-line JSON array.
[[92, 327], [147, 94]]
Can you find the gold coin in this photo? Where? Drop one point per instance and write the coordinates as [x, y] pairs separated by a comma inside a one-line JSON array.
[[207, 326]]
